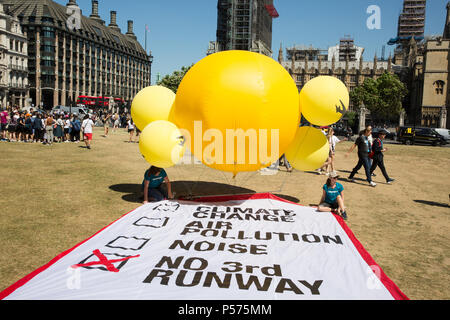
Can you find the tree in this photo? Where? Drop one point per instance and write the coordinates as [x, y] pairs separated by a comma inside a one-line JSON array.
[[173, 81], [382, 97]]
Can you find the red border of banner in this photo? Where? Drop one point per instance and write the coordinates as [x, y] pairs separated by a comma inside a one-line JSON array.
[[30, 276], [393, 289]]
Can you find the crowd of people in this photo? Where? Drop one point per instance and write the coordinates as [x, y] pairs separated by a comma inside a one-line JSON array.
[[36, 126], [48, 128]]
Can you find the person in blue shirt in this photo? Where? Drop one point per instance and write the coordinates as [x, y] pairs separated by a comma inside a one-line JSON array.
[[154, 177], [333, 196], [378, 157]]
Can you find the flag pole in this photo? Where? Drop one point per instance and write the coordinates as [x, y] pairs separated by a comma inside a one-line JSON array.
[[146, 27]]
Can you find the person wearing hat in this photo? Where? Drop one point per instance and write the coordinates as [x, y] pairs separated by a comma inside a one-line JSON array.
[[378, 150], [333, 196], [87, 126]]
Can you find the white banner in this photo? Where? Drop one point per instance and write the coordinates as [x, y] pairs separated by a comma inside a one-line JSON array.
[[256, 247]]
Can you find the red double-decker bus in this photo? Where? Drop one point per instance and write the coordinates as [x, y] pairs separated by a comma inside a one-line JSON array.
[[87, 101], [99, 102]]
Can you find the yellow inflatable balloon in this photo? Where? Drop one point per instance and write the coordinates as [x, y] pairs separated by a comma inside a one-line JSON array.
[[324, 100], [309, 150], [239, 108], [161, 144], [150, 104]]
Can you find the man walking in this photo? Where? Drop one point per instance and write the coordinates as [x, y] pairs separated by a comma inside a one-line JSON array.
[[364, 149]]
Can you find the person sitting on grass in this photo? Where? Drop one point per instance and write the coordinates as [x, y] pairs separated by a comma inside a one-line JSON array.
[[333, 197], [154, 177]]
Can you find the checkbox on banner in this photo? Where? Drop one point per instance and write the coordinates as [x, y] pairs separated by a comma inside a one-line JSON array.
[[151, 222], [104, 261], [167, 206], [127, 243]]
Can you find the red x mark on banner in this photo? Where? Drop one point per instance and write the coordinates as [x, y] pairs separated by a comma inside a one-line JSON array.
[[103, 261]]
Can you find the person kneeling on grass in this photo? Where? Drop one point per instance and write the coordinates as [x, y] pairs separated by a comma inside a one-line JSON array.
[[333, 197], [154, 177]]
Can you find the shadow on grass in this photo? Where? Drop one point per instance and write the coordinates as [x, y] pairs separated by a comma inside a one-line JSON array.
[[288, 198], [432, 203], [186, 189]]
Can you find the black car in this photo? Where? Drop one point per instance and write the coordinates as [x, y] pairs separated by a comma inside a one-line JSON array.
[[419, 135], [376, 132]]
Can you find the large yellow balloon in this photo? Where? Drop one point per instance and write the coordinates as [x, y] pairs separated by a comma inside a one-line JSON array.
[[150, 104], [162, 144], [324, 100], [309, 150], [234, 96]]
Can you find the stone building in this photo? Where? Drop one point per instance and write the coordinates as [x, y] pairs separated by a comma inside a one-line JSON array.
[[71, 54], [13, 62], [424, 67], [306, 63]]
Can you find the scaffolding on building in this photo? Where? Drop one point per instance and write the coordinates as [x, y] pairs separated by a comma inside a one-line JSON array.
[[245, 25], [347, 49], [411, 22]]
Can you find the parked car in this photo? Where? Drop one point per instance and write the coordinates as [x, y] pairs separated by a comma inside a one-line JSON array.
[[80, 111], [411, 135], [340, 131], [390, 135], [445, 133]]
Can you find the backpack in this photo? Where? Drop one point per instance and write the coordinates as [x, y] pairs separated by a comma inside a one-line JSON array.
[[76, 126]]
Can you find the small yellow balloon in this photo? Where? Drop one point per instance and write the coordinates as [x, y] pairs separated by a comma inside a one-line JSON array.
[[324, 100], [150, 104], [161, 144], [309, 150]]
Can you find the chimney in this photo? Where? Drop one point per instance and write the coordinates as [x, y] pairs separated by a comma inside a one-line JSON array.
[[113, 24], [94, 13], [130, 27], [113, 18], [130, 32]]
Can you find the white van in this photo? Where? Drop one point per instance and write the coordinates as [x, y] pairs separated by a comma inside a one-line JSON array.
[[80, 111], [445, 133]]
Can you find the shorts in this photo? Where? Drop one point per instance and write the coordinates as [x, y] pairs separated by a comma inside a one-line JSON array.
[[330, 205], [3, 126], [11, 128], [130, 130], [88, 136]]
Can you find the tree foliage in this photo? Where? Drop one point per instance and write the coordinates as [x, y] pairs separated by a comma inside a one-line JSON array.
[[173, 80], [382, 97]]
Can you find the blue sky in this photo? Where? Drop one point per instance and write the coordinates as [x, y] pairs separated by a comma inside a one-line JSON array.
[[180, 30]]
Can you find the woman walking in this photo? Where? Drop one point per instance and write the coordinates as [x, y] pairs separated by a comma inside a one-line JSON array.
[[378, 157], [130, 126]]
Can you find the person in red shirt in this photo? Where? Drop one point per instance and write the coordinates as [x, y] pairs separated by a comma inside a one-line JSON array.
[[3, 123]]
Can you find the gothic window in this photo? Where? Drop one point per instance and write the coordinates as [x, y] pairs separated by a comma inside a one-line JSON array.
[[439, 86]]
